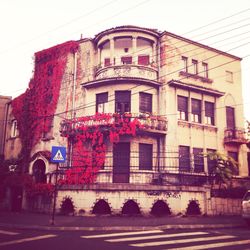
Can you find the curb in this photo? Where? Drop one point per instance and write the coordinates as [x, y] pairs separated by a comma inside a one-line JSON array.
[[122, 228]]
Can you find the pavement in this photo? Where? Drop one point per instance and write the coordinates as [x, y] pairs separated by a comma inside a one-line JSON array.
[[39, 221]]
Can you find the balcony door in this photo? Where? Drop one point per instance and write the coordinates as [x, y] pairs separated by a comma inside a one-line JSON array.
[[230, 114], [121, 162]]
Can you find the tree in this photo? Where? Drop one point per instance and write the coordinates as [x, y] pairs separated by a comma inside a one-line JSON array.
[[224, 167]]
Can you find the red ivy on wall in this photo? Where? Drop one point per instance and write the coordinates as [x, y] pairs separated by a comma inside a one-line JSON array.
[[88, 135], [34, 110]]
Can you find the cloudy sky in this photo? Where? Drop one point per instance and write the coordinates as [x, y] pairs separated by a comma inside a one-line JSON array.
[[28, 26]]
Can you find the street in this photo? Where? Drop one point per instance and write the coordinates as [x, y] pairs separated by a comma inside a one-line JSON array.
[[113, 240]]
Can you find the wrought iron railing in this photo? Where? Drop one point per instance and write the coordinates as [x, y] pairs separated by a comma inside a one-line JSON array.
[[235, 135]]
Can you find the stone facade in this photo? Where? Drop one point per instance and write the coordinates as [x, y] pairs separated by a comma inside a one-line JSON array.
[[195, 90]]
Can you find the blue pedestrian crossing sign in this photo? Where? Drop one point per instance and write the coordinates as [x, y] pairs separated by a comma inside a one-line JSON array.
[[58, 154]]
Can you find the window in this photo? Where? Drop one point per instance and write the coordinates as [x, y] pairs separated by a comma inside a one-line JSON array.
[[48, 124], [209, 113], [184, 158], [229, 76], [210, 163], [195, 66], [107, 62], [126, 60], [39, 169], [145, 105], [205, 69], [13, 132], [230, 117], [185, 63], [145, 156], [102, 102], [196, 110], [182, 107], [122, 101], [143, 59], [198, 160], [234, 155]]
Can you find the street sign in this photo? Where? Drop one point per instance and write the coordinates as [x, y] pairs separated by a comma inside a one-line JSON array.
[[58, 154]]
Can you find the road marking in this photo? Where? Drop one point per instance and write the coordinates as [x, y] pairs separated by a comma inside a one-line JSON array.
[[159, 243], [213, 245], [121, 234], [27, 239], [8, 232], [156, 236]]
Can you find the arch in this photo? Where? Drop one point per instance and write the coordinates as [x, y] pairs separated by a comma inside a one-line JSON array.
[[38, 171], [229, 100], [193, 208], [131, 208], [160, 208], [101, 207], [67, 206]]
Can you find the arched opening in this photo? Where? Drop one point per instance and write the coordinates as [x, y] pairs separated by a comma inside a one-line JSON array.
[[131, 208], [39, 171], [160, 208], [101, 207], [67, 206], [193, 208]]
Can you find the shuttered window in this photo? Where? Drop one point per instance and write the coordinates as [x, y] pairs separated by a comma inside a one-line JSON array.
[[107, 62], [211, 164], [145, 102], [101, 102], [198, 160], [209, 113], [182, 103], [122, 101], [126, 60], [145, 156], [196, 110], [230, 117], [184, 159], [143, 59]]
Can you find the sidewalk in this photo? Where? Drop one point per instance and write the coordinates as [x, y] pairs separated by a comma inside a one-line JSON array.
[[37, 221]]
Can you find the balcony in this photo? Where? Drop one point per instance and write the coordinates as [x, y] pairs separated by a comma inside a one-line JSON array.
[[147, 123], [127, 70], [235, 136]]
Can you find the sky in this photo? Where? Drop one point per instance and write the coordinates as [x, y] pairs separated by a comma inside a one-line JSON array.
[[29, 26]]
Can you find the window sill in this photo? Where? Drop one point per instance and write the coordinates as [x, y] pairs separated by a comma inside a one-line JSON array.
[[183, 123], [196, 77]]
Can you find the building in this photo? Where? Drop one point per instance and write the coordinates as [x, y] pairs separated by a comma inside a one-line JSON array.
[[3, 118], [137, 109]]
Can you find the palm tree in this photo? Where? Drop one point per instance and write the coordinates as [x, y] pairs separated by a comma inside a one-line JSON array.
[[224, 167]]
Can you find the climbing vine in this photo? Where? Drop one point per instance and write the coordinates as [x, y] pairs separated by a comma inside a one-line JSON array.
[[35, 108], [88, 135]]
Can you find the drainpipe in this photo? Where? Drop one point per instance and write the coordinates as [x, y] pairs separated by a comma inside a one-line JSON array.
[[73, 114], [7, 105]]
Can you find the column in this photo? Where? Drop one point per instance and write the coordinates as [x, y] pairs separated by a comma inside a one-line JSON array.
[[112, 51], [134, 55]]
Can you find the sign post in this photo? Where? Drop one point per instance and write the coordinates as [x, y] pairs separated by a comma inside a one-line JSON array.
[[58, 154]]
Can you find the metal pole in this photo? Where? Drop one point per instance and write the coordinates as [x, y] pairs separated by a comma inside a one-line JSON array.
[[54, 200]]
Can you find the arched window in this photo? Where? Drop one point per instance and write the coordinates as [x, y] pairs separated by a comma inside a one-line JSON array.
[[39, 171]]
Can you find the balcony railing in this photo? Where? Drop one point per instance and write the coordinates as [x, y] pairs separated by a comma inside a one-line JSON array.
[[127, 70], [235, 136], [149, 123]]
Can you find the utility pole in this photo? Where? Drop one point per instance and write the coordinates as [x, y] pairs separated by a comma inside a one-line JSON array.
[[54, 197]]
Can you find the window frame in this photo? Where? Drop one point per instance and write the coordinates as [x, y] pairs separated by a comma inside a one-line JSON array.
[[205, 70], [145, 156], [145, 102], [182, 112], [210, 121], [104, 100], [184, 158], [196, 115], [185, 63]]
